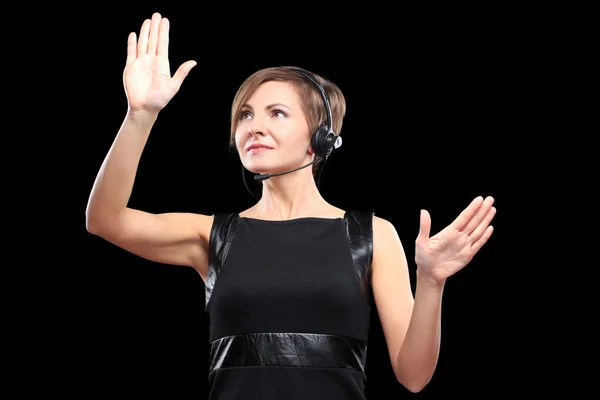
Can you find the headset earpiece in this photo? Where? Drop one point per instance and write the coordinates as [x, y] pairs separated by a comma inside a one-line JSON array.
[[324, 141]]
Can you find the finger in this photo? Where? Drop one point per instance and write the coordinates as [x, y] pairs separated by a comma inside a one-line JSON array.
[[153, 34], [181, 73], [480, 215], [425, 226], [131, 53], [483, 225], [465, 216], [483, 239], [163, 38], [143, 40]]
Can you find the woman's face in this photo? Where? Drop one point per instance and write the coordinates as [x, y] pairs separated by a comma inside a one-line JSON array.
[[273, 119]]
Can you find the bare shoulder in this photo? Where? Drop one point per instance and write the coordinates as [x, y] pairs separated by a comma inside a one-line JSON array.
[[203, 224], [383, 228], [386, 241]]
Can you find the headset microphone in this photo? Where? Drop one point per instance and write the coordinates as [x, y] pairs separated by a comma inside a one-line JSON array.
[[262, 177], [324, 141]]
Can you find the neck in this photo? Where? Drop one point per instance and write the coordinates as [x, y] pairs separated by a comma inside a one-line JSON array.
[[289, 196]]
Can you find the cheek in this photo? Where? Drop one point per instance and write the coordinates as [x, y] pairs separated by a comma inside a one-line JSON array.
[[239, 137], [303, 137]]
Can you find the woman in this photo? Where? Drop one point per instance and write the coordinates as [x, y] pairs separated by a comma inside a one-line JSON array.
[[291, 281]]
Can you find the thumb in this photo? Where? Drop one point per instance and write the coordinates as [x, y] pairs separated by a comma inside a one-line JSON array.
[[181, 73], [425, 226]]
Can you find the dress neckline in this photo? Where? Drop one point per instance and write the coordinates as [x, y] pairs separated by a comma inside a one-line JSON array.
[[299, 219]]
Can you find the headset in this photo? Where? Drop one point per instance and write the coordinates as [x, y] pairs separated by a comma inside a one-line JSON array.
[[323, 141]]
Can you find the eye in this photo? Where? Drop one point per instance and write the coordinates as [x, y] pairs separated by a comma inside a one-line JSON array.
[[245, 115], [279, 113]]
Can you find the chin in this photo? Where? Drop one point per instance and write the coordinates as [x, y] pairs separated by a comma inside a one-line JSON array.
[[258, 168]]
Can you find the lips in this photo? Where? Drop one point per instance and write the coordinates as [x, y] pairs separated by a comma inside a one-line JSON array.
[[257, 150], [258, 147]]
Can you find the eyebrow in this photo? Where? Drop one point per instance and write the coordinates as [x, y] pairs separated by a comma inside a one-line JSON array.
[[269, 107]]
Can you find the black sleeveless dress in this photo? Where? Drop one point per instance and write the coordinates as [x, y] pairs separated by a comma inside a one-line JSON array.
[[289, 306]]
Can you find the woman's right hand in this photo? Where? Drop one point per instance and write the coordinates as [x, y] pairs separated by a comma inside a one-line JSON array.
[[147, 75]]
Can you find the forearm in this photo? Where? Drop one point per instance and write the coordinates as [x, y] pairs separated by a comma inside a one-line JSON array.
[[114, 183], [418, 355]]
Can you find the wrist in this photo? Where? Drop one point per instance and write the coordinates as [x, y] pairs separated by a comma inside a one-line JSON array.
[[142, 116], [426, 280]]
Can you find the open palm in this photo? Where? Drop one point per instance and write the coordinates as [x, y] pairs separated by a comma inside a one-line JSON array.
[[447, 252], [147, 76]]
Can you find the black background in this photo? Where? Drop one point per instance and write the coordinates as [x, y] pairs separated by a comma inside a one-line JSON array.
[[436, 116]]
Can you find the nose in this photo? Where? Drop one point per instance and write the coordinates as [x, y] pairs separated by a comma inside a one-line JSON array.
[[256, 129]]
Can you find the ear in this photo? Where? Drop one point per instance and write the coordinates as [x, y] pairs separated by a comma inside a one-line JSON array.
[[310, 149]]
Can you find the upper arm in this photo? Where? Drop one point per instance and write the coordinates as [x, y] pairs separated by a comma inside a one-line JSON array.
[[391, 285], [169, 238]]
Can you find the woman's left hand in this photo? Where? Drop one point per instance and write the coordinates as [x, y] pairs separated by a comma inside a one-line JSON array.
[[446, 253]]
